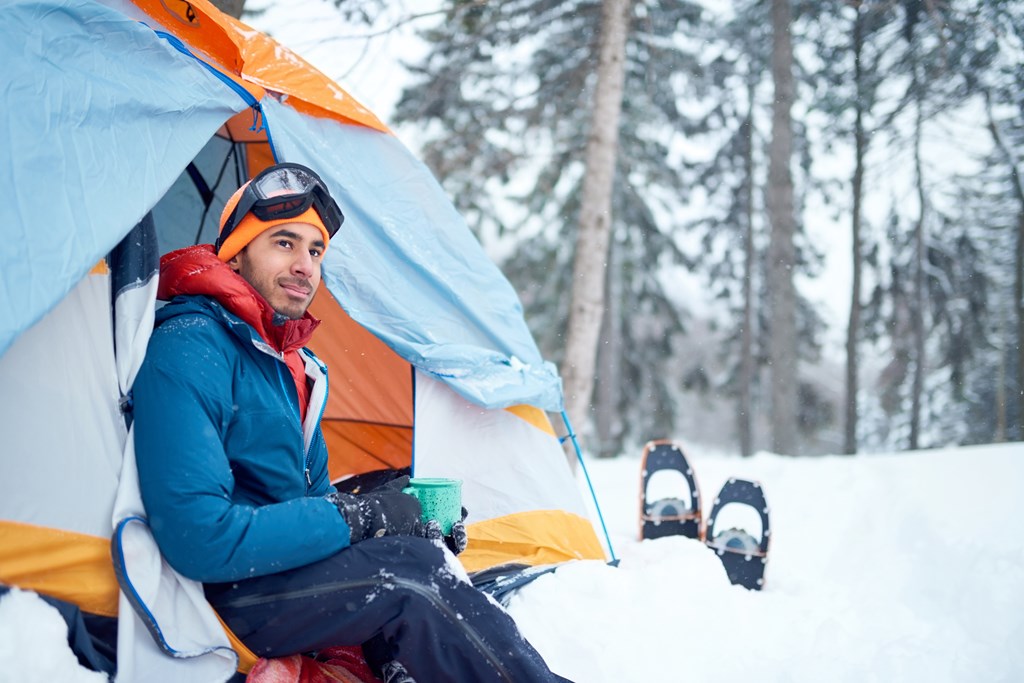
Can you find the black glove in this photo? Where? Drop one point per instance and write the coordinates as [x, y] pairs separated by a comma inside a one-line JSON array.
[[383, 512], [456, 540]]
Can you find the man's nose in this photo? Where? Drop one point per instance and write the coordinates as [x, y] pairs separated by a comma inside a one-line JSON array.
[[303, 263]]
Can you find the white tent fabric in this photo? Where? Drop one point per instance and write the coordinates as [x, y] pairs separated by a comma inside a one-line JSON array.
[[159, 611], [506, 464], [66, 475], [63, 433]]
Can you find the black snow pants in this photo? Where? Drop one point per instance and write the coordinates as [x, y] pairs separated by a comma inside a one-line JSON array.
[[395, 591]]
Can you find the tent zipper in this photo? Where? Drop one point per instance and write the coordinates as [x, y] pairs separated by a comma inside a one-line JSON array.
[[259, 120], [182, 48]]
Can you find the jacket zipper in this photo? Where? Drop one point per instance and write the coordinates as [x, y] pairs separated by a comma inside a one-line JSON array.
[[323, 407], [288, 387], [297, 412], [446, 610]]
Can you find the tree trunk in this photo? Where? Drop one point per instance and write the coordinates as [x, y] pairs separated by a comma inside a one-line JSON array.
[[1018, 292], [1017, 181], [999, 436], [917, 314], [782, 250], [609, 357], [232, 7], [587, 298], [746, 380], [853, 328]]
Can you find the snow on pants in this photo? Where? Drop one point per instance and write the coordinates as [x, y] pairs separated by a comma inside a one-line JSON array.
[[396, 590]]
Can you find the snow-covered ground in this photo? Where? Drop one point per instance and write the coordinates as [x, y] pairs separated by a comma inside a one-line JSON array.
[[903, 567]]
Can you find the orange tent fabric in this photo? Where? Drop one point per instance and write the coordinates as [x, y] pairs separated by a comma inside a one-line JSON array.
[[369, 416], [258, 60]]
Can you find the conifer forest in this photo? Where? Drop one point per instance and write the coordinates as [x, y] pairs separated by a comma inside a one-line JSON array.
[[786, 225]]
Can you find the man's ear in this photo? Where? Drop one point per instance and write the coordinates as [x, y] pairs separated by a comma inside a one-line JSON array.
[[233, 262]]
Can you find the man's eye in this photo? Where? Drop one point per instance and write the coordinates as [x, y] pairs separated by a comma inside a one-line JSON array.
[[284, 243], [315, 253]]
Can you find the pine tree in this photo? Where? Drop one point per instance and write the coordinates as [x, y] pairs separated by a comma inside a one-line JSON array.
[[990, 206], [1000, 85], [855, 42], [731, 226], [935, 293], [506, 94]]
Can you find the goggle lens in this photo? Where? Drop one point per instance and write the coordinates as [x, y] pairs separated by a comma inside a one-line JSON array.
[[288, 208], [295, 188], [284, 181]]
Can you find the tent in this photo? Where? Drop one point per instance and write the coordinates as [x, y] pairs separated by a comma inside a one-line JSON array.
[[128, 123]]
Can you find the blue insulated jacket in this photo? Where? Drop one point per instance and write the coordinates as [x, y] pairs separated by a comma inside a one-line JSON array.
[[232, 487]]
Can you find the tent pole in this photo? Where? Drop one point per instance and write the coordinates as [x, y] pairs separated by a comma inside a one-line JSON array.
[[593, 495]]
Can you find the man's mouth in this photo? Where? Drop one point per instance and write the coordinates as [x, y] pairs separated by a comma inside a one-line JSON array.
[[298, 290]]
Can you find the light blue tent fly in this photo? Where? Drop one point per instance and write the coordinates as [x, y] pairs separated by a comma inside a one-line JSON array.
[[118, 115]]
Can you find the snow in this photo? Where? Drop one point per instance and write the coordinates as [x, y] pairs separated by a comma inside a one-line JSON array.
[[899, 567], [33, 643]]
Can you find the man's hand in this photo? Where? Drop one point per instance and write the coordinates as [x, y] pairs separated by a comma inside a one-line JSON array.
[[456, 540], [383, 512]]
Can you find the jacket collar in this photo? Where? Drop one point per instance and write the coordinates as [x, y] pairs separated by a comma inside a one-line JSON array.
[[196, 270]]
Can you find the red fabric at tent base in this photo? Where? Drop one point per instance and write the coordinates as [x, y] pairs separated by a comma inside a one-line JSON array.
[[344, 664]]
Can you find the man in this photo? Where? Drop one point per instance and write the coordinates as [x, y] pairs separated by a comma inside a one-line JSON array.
[[233, 466]]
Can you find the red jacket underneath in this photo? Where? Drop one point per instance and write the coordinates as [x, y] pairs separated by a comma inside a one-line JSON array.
[[197, 270]]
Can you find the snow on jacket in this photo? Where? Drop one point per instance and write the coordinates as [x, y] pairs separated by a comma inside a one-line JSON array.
[[233, 483]]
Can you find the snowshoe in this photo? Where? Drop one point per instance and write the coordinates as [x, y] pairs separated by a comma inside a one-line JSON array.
[[668, 516], [743, 554]]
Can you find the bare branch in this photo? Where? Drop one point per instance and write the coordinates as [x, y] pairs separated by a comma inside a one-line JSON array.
[[399, 23]]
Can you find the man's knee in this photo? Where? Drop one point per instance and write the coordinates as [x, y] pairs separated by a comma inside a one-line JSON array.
[[423, 551], [411, 555]]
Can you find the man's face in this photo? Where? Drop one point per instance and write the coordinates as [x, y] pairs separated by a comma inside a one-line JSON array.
[[283, 265]]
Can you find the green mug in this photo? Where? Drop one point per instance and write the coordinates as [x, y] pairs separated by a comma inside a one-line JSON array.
[[441, 499]]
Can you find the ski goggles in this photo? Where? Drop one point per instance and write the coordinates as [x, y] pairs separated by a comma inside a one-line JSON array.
[[284, 191]]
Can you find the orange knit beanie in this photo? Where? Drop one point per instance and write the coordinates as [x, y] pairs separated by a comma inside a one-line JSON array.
[[250, 226]]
